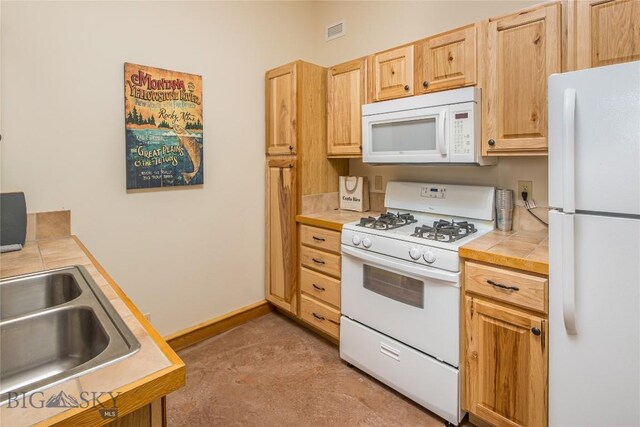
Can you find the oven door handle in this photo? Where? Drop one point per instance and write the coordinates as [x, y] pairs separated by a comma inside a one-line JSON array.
[[401, 267]]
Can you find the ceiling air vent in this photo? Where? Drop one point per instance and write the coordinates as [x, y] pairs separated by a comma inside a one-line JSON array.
[[335, 30]]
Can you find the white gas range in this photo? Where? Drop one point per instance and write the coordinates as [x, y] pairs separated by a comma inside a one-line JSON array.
[[401, 289]]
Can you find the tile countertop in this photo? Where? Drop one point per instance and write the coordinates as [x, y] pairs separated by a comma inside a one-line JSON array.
[[523, 250], [333, 219], [152, 372]]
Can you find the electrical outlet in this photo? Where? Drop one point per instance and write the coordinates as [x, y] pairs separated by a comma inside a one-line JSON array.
[[377, 183], [525, 186]]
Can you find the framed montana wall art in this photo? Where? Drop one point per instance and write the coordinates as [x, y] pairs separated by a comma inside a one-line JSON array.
[[163, 126]]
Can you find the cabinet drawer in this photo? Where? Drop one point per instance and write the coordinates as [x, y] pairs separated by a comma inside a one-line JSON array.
[[320, 238], [322, 287], [320, 315], [525, 290], [321, 261]]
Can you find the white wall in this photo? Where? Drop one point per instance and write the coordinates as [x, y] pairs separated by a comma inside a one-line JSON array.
[[372, 26], [184, 255], [375, 26]]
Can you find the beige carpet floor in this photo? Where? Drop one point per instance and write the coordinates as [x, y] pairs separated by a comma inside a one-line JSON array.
[[273, 372]]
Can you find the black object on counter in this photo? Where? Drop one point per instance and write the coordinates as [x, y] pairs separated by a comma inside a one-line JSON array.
[[13, 219]]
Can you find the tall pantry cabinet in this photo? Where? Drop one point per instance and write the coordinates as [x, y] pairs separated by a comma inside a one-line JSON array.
[[296, 166]]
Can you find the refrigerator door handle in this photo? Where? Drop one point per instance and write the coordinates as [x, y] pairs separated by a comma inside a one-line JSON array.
[[568, 275], [569, 121]]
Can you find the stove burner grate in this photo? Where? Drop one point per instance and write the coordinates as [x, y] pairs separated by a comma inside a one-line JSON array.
[[387, 221], [445, 231]]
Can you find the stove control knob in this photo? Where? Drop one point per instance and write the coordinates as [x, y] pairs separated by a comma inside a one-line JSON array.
[[429, 256], [414, 254], [366, 242], [356, 240]]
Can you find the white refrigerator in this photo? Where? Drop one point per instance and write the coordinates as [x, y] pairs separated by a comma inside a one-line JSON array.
[[594, 252]]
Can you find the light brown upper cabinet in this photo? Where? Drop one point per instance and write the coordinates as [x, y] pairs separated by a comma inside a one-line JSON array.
[[282, 202], [446, 61], [393, 73], [281, 110], [602, 32], [346, 92], [522, 50]]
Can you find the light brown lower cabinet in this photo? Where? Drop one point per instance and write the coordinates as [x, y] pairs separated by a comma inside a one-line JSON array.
[[320, 315], [320, 269], [506, 351], [282, 195], [507, 365], [151, 415]]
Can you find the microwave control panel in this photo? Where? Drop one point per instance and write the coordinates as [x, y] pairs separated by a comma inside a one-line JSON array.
[[462, 131]]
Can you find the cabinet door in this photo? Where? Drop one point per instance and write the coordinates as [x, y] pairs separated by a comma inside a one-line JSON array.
[[506, 365], [446, 61], [346, 92], [393, 73], [607, 32], [281, 110], [522, 51], [281, 232]]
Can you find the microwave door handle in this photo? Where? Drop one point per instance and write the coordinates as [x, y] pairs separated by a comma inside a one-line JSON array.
[[442, 145], [400, 268]]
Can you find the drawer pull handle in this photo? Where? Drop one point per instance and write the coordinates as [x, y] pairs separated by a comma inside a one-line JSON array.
[[319, 239], [320, 288], [317, 261], [317, 316], [389, 351], [536, 331], [501, 286]]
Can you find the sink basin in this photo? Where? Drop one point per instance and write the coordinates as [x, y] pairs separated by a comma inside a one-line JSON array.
[[48, 344], [56, 325], [34, 293]]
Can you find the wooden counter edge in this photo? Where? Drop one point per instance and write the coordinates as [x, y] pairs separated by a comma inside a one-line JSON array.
[[137, 393], [523, 264], [319, 222]]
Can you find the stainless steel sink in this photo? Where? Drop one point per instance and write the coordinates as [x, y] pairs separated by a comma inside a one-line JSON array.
[[36, 292], [56, 325]]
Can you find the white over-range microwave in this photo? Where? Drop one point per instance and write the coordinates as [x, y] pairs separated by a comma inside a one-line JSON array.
[[438, 128]]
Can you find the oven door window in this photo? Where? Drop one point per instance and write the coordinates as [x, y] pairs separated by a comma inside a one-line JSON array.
[[406, 290]]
